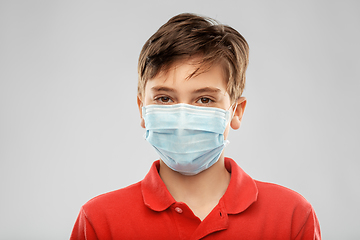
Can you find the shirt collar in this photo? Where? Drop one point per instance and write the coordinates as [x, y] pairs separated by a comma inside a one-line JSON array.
[[242, 190], [155, 194], [240, 194]]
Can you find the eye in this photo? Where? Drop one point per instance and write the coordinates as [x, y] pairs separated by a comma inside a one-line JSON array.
[[204, 100], [163, 99]]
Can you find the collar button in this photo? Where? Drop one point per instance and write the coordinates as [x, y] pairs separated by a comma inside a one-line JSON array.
[[178, 210]]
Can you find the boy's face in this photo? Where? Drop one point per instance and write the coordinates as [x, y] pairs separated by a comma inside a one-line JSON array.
[[207, 89]]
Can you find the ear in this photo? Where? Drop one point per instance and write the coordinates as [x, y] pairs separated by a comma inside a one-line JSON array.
[[239, 112], [140, 105]]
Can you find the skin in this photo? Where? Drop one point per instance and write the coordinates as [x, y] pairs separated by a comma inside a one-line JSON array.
[[203, 191]]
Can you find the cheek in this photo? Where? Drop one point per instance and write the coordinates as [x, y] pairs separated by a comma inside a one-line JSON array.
[[142, 122]]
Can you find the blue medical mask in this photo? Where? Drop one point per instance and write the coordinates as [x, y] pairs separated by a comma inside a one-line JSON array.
[[189, 139]]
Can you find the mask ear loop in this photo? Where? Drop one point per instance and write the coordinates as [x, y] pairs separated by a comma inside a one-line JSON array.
[[233, 113], [226, 142]]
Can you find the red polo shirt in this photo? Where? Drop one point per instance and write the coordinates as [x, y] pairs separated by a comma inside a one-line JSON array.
[[249, 209]]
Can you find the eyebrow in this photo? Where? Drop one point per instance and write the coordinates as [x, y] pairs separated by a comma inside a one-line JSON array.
[[200, 90], [207, 89], [162, 88]]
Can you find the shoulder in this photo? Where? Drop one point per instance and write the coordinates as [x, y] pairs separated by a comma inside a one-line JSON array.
[[121, 197], [282, 201], [271, 191]]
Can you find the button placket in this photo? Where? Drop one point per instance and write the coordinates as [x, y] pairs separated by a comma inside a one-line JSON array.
[[185, 221]]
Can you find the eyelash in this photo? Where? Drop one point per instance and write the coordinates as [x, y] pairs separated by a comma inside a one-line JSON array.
[[161, 99], [203, 98], [169, 100]]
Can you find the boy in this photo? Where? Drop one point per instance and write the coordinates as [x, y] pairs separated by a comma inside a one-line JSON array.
[[191, 77]]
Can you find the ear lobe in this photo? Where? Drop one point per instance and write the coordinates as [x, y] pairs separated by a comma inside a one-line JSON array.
[[140, 105], [239, 112]]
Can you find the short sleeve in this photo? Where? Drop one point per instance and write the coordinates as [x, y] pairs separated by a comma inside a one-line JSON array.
[[311, 228], [83, 230]]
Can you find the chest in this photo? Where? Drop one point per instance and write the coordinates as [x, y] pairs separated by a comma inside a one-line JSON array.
[[179, 222]]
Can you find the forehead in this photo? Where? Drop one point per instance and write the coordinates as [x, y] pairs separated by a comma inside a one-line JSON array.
[[190, 74]]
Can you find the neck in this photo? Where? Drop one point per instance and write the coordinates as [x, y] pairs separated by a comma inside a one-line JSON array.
[[200, 192]]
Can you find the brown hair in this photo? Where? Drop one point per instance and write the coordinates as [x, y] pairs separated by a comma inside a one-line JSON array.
[[187, 35]]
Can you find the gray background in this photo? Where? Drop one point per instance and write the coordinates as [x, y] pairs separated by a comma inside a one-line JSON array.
[[70, 127]]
